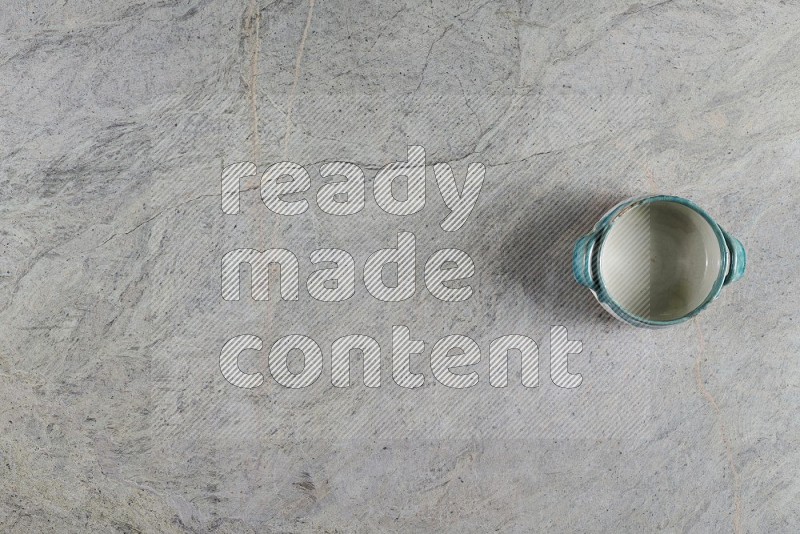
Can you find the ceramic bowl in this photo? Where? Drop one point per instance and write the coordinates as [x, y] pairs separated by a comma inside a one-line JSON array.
[[657, 261]]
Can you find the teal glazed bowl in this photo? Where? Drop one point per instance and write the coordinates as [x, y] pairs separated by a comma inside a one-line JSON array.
[[657, 261]]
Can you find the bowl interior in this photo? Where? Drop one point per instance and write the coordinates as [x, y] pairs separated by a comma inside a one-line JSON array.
[[660, 260]]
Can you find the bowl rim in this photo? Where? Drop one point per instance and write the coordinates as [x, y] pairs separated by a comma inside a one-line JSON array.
[[603, 228]]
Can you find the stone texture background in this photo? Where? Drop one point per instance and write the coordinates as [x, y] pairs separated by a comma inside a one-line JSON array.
[[118, 118]]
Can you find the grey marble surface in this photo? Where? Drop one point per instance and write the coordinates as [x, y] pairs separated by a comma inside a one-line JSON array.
[[117, 121]]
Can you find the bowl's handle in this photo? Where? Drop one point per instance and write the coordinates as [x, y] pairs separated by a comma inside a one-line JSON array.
[[738, 258], [582, 263]]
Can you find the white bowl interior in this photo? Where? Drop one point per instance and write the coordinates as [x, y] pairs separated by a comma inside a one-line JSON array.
[[660, 260]]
